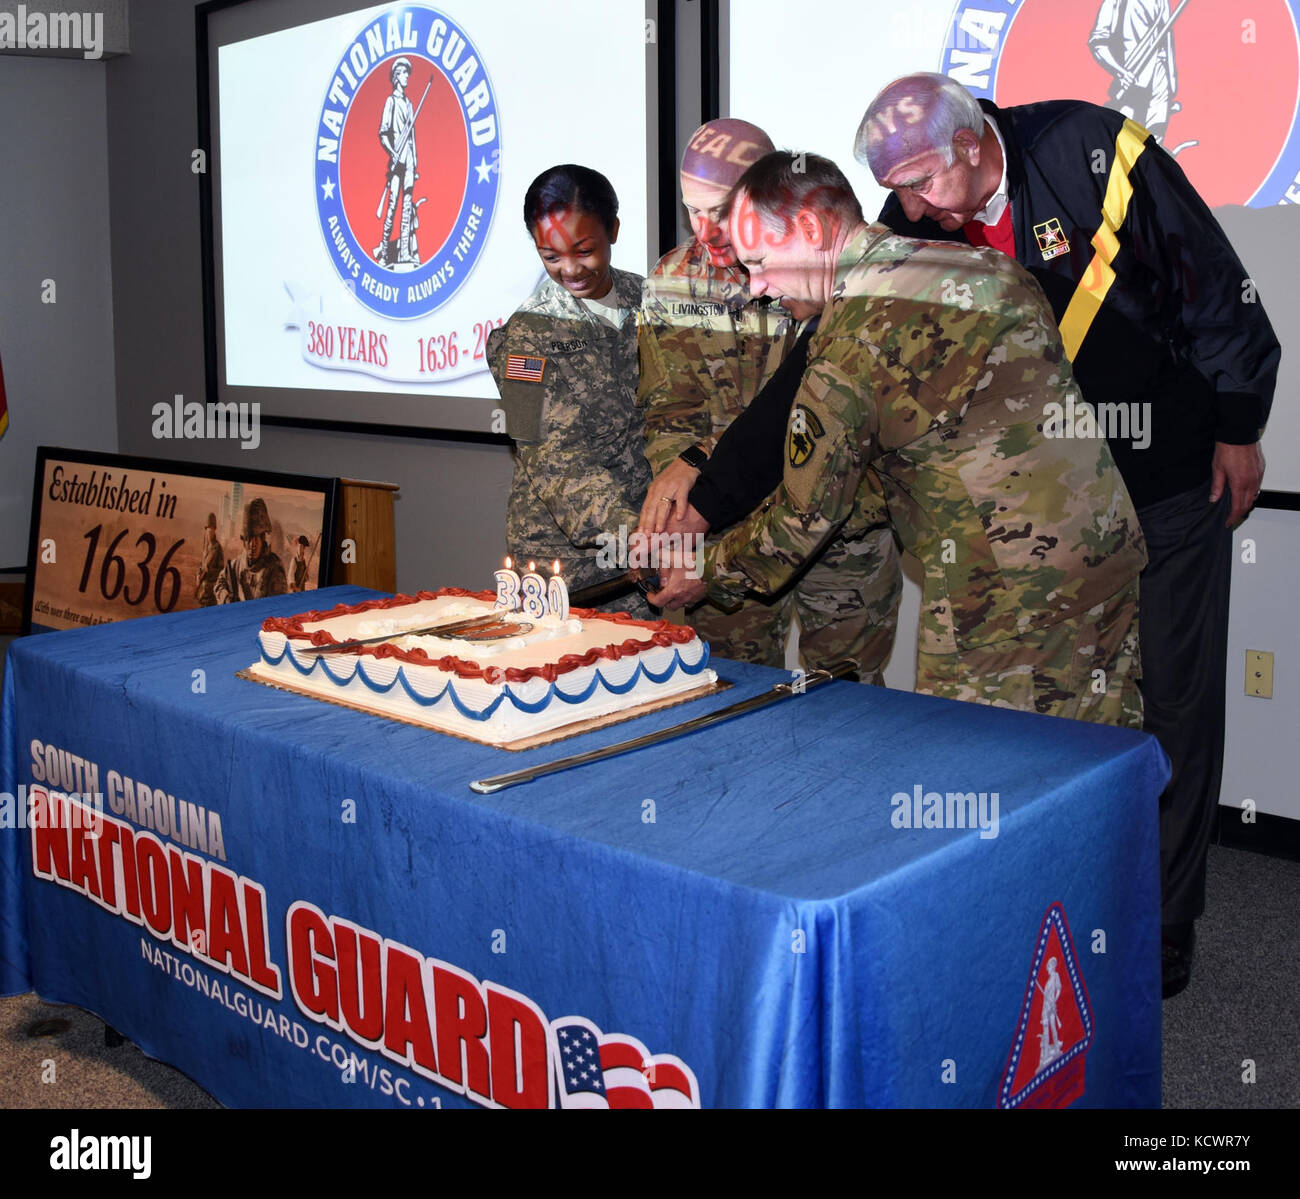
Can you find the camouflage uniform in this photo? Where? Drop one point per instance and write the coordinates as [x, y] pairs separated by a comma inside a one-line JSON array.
[[706, 351], [580, 471], [932, 367]]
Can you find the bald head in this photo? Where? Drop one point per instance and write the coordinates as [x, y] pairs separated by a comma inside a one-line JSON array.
[[716, 156], [915, 115]]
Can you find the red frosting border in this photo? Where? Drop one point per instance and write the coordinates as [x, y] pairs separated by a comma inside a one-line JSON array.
[[662, 633]]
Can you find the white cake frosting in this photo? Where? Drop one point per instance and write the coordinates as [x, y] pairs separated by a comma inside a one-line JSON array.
[[561, 671]]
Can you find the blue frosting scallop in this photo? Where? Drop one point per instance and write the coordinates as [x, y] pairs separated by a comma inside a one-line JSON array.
[[553, 692]]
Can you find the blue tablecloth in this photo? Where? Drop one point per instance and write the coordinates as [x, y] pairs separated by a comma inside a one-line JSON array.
[[741, 917]]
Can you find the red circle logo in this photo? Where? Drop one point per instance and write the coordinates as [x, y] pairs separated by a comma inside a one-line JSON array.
[[1217, 83]]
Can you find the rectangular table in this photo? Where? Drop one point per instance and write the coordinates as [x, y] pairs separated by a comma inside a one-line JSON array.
[[299, 904]]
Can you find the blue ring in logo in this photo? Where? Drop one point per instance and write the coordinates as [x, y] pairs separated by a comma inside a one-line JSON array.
[[425, 37], [971, 55]]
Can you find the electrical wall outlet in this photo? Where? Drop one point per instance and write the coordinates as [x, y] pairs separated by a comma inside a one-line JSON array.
[[1259, 673]]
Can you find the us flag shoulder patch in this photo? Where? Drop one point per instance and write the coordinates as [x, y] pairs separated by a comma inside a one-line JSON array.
[[529, 370]]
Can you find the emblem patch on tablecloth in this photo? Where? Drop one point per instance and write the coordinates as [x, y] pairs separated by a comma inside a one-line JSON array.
[[1045, 1067]]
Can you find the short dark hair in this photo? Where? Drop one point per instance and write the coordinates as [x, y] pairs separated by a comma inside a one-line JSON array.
[[781, 183], [571, 186]]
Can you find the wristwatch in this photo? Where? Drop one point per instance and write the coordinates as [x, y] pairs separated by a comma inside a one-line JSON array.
[[694, 456]]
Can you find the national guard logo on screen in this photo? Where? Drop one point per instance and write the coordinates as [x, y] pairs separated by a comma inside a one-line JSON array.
[[407, 172], [1167, 64], [1045, 1067]]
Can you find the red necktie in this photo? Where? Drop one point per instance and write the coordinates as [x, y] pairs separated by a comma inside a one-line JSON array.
[[999, 236]]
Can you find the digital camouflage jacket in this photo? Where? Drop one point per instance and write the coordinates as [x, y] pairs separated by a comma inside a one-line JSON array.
[[568, 384]]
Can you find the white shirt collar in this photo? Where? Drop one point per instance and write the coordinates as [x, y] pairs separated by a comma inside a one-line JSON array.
[[992, 212]]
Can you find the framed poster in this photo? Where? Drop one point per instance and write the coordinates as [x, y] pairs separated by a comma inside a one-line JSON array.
[[115, 537]]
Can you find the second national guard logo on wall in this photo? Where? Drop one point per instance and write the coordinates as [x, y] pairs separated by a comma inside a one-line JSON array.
[[1046, 1064], [1168, 64], [407, 161]]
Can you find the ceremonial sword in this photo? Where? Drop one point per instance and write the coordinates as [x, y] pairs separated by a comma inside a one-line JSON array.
[[612, 589], [814, 678], [471, 628]]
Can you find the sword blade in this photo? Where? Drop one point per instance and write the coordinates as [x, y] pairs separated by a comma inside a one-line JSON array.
[[432, 630], [781, 691]]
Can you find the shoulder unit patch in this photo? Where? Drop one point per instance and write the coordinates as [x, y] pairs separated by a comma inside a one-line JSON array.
[[805, 431]]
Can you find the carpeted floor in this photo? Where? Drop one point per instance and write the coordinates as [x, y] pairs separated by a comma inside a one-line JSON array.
[[75, 1069], [1239, 1008], [1241, 1005]]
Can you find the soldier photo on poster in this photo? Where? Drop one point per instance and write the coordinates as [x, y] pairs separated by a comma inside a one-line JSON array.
[[258, 571]]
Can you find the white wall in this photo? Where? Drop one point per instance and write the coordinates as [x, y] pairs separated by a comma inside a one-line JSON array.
[[1262, 759]]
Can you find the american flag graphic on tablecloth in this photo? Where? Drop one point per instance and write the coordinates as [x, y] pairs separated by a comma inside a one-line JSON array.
[[518, 366], [595, 1070]]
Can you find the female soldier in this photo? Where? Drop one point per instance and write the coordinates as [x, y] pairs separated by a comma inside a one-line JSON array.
[[566, 367]]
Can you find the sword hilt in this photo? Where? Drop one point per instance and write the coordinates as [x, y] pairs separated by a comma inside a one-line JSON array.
[[612, 589]]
